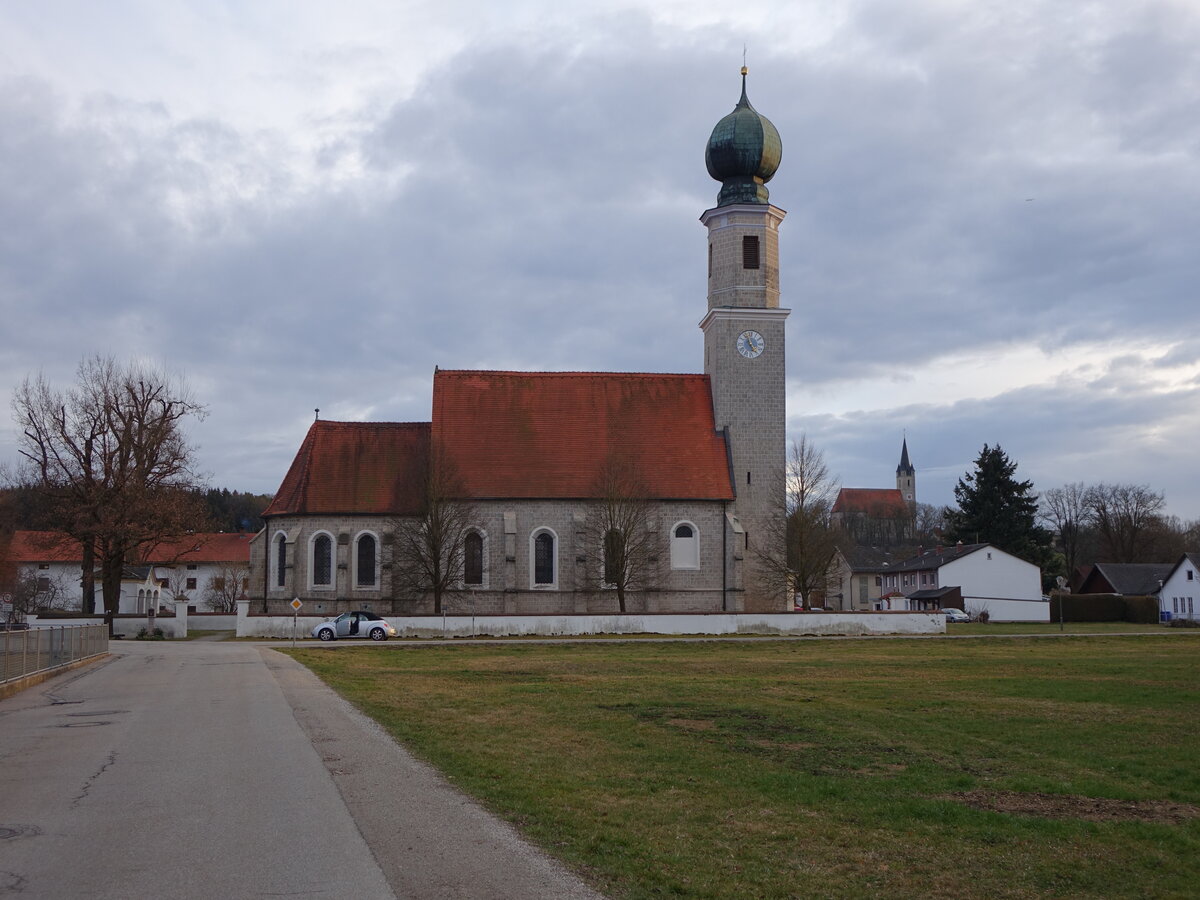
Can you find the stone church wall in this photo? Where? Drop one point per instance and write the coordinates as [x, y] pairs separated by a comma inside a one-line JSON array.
[[508, 528]]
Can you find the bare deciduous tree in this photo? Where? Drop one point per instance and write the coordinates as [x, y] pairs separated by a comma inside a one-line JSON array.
[[619, 546], [1128, 518], [1067, 511], [807, 536], [928, 524], [112, 455], [226, 587], [428, 549], [28, 591]]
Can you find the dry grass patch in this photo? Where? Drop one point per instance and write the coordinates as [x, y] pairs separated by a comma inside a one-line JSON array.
[[1091, 809]]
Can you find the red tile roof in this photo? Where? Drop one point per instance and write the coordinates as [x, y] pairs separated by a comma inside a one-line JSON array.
[[43, 546], [875, 502], [551, 434], [54, 546], [356, 467], [219, 547], [518, 435]]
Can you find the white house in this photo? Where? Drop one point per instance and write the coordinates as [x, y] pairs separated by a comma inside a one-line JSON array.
[[1181, 590], [175, 570], [1007, 588]]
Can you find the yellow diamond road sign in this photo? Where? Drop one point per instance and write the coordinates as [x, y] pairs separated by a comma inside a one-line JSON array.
[[296, 604]]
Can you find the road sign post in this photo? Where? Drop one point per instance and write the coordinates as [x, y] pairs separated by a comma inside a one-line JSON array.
[[296, 604]]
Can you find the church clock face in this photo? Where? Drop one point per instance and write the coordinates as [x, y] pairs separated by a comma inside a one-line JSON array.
[[750, 344]]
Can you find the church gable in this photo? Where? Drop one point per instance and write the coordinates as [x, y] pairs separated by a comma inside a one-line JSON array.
[[550, 435], [371, 468]]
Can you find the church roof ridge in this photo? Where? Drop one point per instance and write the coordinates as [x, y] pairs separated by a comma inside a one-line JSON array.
[[371, 423], [569, 374]]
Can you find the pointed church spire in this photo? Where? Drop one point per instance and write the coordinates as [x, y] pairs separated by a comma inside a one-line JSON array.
[[905, 467]]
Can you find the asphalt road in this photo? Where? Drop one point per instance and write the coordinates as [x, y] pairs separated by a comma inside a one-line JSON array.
[[200, 769]]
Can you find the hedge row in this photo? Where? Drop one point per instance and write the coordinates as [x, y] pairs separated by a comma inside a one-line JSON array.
[[1103, 608]]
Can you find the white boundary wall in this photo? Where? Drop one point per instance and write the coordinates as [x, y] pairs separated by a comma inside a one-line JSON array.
[[863, 623], [1005, 610]]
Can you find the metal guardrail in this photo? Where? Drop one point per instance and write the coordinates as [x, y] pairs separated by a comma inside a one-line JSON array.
[[48, 647]]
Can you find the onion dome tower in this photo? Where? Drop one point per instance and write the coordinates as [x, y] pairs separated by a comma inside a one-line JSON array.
[[743, 153], [744, 338]]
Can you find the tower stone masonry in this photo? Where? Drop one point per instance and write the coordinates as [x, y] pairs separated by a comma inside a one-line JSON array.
[[744, 336]]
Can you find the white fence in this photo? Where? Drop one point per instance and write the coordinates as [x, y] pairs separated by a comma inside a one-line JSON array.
[[36, 650]]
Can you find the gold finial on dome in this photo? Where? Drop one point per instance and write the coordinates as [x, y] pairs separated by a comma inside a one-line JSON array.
[[745, 71]]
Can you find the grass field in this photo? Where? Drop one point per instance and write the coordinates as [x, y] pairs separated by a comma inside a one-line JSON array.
[[1053, 628], [1011, 768]]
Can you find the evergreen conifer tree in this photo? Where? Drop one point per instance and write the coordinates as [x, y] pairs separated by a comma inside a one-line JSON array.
[[995, 508]]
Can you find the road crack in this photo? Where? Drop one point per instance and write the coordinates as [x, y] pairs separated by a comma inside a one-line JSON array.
[[109, 761]]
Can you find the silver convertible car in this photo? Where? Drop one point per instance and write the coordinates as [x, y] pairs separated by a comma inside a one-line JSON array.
[[358, 624]]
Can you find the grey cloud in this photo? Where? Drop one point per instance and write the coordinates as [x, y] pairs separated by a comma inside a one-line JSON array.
[[534, 206]]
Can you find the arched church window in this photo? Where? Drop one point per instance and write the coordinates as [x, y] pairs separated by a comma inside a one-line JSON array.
[[544, 561], [280, 560], [473, 558], [685, 546], [322, 561], [366, 555], [750, 251]]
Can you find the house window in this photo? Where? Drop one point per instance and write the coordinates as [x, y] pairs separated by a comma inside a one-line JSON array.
[[544, 558], [218, 584], [750, 251], [685, 546], [280, 560], [45, 566], [192, 567], [614, 557], [321, 557], [43, 583], [1191, 575], [190, 584], [473, 558], [366, 558], [878, 581]]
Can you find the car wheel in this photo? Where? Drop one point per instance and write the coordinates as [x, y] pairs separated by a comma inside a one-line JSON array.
[[378, 634], [325, 634]]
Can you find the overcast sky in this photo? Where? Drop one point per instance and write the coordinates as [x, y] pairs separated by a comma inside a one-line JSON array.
[[993, 230]]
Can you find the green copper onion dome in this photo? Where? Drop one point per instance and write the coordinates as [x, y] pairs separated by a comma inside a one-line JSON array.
[[743, 153]]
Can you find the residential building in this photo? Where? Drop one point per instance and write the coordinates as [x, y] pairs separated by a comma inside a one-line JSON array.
[[178, 569], [1179, 597]]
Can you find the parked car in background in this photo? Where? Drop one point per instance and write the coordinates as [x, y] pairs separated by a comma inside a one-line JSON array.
[[357, 624], [956, 615]]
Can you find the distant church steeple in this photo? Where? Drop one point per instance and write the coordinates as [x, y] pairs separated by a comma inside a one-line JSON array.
[[906, 476]]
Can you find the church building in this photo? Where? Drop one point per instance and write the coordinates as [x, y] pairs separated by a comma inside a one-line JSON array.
[[531, 457], [880, 517]]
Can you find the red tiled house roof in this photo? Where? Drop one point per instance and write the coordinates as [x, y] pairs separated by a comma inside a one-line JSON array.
[[874, 502], [356, 467], [215, 547], [43, 547], [54, 546], [550, 435]]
